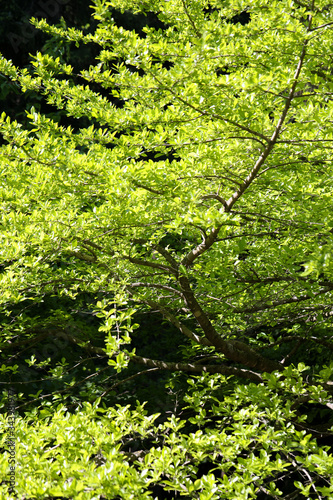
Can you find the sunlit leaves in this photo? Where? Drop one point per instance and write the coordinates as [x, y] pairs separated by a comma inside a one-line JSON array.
[[195, 183]]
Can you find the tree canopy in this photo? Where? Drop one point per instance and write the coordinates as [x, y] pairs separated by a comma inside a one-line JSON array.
[[193, 185]]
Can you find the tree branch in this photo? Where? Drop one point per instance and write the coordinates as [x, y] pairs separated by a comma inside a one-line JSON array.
[[212, 115], [155, 285], [276, 303], [174, 321], [233, 349], [147, 263], [188, 260], [193, 368], [272, 141], [196, 31]]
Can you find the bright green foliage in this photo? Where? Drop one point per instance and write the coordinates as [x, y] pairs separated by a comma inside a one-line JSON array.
[[244, 434], [202, 190]]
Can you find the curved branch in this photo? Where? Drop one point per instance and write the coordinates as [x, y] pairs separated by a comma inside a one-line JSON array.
[[147, 263], [193, 368], [160, 249], [174, 321], [215, 197], [234, 350], [188, 260]]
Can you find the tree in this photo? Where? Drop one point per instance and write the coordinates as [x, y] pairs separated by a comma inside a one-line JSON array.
[[200, 192]]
